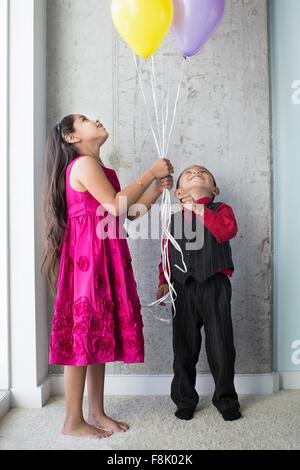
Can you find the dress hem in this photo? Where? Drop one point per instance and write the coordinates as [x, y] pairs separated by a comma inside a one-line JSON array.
[[65, 363]]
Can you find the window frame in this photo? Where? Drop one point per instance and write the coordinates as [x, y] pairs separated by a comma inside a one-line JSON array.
[[5, 382]]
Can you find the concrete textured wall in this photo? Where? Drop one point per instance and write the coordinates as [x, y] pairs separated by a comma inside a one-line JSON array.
[[223, 122]]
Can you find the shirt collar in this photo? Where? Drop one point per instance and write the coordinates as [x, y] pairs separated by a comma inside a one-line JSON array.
[[189, 215], [204, 200]]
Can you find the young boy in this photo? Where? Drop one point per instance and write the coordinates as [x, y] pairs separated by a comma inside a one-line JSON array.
[[203, 294]]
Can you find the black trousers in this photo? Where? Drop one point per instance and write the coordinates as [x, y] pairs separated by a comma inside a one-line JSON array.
[[205, 304]]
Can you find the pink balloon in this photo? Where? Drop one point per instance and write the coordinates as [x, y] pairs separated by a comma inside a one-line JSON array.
[[195, 21]]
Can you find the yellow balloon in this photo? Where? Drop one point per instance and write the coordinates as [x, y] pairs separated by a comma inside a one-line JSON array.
[[143, 24]]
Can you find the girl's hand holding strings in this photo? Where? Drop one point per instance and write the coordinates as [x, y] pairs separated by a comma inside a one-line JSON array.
[[162, 168], [165, 183]]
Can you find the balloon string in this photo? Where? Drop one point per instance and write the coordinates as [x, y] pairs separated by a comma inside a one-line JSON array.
[[146, 104], [166, 206], [176, 103], [167, 107], [166, 216], [163, 112], [167, 234], [153, 85]]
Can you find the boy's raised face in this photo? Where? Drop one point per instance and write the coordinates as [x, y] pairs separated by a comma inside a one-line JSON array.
[[197, 180]]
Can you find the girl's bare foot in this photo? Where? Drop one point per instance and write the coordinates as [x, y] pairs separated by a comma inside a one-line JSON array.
[[104, 422], [84, 429]]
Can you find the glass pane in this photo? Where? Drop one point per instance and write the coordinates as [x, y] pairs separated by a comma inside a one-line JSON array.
[[4, 360]]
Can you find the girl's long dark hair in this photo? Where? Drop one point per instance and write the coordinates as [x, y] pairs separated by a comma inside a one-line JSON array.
[[59, 154]]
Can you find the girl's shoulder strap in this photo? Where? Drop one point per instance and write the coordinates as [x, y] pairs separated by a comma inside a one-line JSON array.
[[68, 171], [74, 160]]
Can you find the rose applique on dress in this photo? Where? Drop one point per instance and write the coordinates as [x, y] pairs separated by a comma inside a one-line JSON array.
[[107, 306], [82, 307], [59, 326], [62, 345], [83, 263]]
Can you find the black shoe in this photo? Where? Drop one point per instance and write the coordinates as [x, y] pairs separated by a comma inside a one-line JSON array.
[[231, 415], [187, 415]]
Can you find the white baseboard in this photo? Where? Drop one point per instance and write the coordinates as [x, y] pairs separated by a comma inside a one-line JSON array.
[[35, 397], [255, 384], [290, 380], [252, 384], [4, 404]]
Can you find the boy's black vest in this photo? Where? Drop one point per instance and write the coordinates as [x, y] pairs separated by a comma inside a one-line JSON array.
[[202, 263]]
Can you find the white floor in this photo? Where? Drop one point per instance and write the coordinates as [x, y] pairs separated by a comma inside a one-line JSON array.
[[269, 422]]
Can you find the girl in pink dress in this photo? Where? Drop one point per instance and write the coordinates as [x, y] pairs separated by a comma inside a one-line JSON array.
[[97, 313]]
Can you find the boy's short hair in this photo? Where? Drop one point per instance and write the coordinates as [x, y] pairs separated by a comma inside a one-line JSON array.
[[179, 178]]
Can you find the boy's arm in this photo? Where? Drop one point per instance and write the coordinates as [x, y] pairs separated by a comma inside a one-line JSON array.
[[162, 279], [222, 224]]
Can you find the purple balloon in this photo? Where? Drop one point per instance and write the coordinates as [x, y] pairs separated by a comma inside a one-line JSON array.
[[195, 21]]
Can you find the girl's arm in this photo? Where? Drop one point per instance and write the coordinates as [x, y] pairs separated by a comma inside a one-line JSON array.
[[90, 174], [145, 202]]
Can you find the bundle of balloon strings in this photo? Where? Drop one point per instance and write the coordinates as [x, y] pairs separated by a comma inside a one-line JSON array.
[[162, 139]]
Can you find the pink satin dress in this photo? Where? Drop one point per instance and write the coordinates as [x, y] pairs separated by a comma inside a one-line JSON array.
[[97, 312]]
